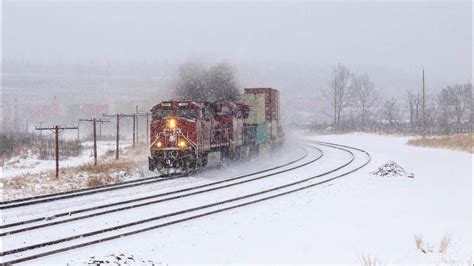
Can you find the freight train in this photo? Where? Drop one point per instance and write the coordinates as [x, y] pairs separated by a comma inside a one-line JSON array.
[[184, 133]]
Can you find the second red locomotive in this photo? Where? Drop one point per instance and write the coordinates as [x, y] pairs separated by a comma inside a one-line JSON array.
[[184, 133]]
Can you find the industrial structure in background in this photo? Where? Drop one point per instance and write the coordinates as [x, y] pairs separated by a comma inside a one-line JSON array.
[[184, 133], [18, 116]]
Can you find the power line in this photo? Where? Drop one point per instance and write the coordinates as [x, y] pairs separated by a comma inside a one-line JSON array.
[[145, 114], [118, 117], [56, 129], [94, 129]]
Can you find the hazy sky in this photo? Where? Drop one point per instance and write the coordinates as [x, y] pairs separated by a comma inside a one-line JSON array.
[[404, 36]]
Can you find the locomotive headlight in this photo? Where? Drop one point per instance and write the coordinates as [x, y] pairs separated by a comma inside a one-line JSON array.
[[172, 123], [159, 144], [182, 144]]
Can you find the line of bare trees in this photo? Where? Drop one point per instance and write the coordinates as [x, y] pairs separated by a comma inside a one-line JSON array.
[[356, 104]]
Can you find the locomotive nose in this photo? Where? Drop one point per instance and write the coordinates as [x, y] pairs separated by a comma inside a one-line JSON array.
[[172, 138]]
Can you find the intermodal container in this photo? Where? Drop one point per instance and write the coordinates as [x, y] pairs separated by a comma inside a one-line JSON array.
[[261, 133], [271, 101], [256, 103]]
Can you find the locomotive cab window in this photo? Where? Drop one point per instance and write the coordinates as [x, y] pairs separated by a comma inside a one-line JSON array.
[[159, 114], [190, 114]]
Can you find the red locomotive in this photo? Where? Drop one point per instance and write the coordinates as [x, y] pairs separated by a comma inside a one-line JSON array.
[[184, 133]]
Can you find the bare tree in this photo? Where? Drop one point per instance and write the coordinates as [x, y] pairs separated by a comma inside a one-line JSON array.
[[414, 108], [431, 112], [390, 112], [222, 83], [338, 92], [191, 81], [455, 106], [364, 97], [444, 113]]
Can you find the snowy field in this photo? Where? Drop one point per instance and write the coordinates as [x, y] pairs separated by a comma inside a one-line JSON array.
[[27, 175], [30, 164], [358, 216]]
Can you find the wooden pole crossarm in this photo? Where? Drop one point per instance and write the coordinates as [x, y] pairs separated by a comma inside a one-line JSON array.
[[118, 117], [56, 130], [94, 122]]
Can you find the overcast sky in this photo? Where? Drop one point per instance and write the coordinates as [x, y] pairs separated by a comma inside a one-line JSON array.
[[404, 36]]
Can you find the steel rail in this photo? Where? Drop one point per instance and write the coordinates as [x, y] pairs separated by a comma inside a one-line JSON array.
[[25, 229], [138, 199], [86, 193], [75, 191], [82, 192], [197, 208], [186, 211]]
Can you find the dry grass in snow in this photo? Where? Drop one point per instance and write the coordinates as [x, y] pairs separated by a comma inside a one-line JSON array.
[[419, 243], [444, 244], [429, 248], [368, 260], [461, 142], [108, 171]]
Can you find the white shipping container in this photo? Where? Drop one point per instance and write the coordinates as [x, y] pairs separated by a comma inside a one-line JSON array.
[[256, 104]]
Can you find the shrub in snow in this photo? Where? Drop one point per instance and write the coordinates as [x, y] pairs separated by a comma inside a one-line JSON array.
[[119, 259], [443, 244], [27, 144], [390, 169]]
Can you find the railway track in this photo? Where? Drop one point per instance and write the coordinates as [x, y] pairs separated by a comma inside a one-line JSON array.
[[208, 209], [99, 189], [83, 192], [153, 199], [182, 190]]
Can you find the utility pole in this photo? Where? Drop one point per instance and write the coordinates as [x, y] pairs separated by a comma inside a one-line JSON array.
[[118, 139], [147, 137], [100, 131], [117, 145], [56, 129], [78, 129], [134, 124], [40, 125], [15, 116], [423, 103], [136, 112], [138, 115], [94, 133]]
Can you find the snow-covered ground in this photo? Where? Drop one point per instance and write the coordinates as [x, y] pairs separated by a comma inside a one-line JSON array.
[[360, 215], [27, 175], [30, 164]]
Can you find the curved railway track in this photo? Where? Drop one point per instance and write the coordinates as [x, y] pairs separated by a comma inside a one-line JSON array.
[[76, 191], [82, 192], [105, 188], [209, 209], [208, 187]]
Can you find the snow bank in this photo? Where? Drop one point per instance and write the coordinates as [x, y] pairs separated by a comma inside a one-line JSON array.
[[391, 169]]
